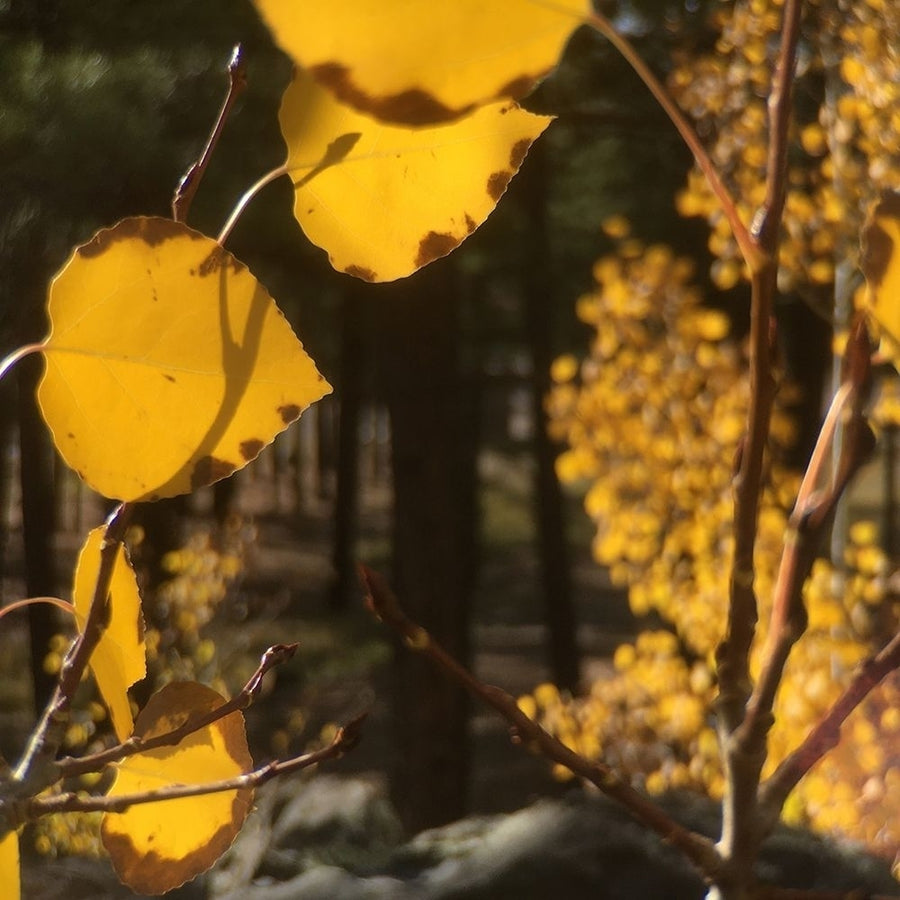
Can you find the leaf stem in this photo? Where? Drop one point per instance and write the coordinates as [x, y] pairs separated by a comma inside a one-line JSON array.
[[749, 247], [9, 361], [190, 181], [31, 601], [248, 195]]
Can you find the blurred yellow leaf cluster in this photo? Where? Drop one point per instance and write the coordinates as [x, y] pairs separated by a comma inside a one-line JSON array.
[[651, 419], [846, 142]]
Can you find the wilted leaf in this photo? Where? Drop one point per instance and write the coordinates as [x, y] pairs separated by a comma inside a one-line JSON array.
[[416, 62], [385, 200], [119, 659], [168, 364], [9, 866], [881, 266], [157, 846]]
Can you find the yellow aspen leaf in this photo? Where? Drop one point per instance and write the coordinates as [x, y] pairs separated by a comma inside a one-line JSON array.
[[157, 846], [414, 62], [119, 659], [168, 365], [9, 866], [881, 265], [384, 200]]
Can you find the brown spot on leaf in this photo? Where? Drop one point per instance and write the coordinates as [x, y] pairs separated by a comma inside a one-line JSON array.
[[435, 245], [410, 107], [518, 153], [168, 377], [361, 272], [289, 412], [250, 449], [152, 230], [208, 469], [496, 184], [471, 224], [877, 245], [219, 258]]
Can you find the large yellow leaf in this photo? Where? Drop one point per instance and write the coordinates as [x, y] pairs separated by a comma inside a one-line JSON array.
[[416, 62], [385, 200], [119, 659], [9, 866], [881, 266], [168, 364], [157, 846]]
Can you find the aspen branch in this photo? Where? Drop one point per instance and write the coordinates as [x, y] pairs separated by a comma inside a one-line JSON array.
[[38, 769], [70, 767], [525, 731], [827, 731], [742, 761], [344, 740], [190, 181]]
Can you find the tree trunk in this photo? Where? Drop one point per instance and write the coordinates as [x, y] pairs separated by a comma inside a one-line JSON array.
[[38, 524], [434, 504], [556, 581], [346, 505]]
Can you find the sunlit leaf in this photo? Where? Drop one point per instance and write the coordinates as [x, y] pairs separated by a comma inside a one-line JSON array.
[[385, 200], [168, 364], [157, 846], [119, 660], [881, 266], [416, 62], [9, 866]]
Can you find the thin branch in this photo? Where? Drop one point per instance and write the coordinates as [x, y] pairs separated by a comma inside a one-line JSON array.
[[344, 740], [826, 733], [697, 848], [750, 249], [37, 769], [743, 761], [190, 182], [275, 656]]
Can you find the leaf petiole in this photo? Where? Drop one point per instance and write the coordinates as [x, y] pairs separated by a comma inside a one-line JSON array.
[[9, 361]]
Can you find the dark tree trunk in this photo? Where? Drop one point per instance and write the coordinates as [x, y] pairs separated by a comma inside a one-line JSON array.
[[38, 523], [350, 391], [556, 582], [434, 489]]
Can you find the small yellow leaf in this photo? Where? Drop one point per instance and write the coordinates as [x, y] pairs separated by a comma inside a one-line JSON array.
[[168, 364], [881, 265], [157, 846], [415, 62], [9, 866], [385, 200], [119, 660]]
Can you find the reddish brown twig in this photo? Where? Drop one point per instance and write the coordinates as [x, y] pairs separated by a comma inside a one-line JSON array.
[[38, 769], [190, 181], [344, 740], [697, 848], [274, 656]]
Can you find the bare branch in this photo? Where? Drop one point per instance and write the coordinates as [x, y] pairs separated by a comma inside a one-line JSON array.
[[274, 656], [190, 181], [344, 740], [826, 733], [38, 769], [697, 848]]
